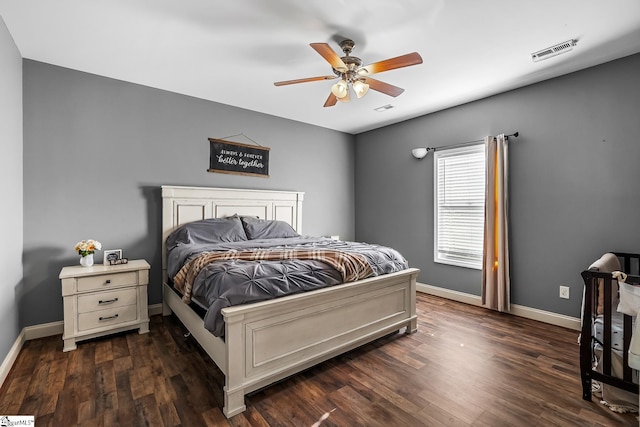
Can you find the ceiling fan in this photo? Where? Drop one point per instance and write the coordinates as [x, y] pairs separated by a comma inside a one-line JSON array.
[[352, 74]]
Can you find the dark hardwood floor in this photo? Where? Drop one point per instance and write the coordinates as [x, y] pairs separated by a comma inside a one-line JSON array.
[[465, 366]]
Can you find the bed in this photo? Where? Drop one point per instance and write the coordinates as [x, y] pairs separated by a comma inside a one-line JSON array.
[[607, 328], [264, 342]]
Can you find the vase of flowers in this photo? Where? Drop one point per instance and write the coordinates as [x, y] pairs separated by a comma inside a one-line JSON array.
[[85, 249]]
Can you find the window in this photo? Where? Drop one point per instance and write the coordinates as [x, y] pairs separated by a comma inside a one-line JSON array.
[[459, 175]]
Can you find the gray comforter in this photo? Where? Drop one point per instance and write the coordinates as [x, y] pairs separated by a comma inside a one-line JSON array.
[[226, 283]]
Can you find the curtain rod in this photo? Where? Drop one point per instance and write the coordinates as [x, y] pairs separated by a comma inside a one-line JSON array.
[[420, 153]]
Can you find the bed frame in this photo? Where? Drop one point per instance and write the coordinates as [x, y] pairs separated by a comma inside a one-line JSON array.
[[271, 340], [629, 264]]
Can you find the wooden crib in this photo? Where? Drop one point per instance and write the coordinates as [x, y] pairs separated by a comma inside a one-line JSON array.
[[599, 305]]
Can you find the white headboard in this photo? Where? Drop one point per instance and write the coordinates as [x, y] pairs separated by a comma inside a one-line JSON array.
[[181, 205]]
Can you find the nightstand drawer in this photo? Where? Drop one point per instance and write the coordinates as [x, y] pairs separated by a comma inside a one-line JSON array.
[[103, 300], [108, 317], [106, 280]]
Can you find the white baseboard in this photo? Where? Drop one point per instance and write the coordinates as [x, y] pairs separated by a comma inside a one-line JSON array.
[[449, 294], [517, 310], [11, 357], [155, 309], [43, 330]]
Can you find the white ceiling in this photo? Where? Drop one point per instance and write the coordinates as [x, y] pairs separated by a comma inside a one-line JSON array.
[[232, 51]]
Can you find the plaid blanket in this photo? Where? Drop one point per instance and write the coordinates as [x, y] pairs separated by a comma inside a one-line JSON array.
[[351, 266]]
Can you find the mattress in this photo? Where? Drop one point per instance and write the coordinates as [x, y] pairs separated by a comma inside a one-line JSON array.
[[617, 338], [617, 343], [611, 395], [235, 281]]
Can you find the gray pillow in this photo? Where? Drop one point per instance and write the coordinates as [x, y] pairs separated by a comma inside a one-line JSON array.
[[256, 228], [213, 230]]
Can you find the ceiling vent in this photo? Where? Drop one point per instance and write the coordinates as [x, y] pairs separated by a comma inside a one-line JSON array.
[[553, 50], [384, 108]]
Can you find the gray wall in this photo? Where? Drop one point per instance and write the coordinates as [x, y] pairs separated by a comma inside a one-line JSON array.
[[573, 177], [11, 176], [96, 151]]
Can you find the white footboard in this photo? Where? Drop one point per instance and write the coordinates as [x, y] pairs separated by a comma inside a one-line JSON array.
[[268, 341], [272, 340]]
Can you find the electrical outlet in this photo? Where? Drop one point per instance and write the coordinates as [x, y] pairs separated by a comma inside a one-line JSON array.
[[564, 292]]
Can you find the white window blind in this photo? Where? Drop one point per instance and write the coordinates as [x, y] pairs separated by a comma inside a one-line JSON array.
[[459, 205]]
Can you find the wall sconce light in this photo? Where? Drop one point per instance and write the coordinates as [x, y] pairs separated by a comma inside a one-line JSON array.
[[421, 153]]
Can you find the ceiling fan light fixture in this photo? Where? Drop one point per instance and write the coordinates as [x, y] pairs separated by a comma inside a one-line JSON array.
[[350, 71], [346, 97], [360, 88], [340, 89]]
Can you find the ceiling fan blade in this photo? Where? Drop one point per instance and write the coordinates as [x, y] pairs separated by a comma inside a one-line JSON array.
[[391, 64], [332, 58], [308, 79], [331, 100], [383, 87]]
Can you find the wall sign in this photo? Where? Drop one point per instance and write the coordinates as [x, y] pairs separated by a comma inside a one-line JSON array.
[[237, 158]]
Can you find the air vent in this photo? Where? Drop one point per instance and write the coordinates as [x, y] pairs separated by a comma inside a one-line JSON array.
[[384, 108], [553, 50]]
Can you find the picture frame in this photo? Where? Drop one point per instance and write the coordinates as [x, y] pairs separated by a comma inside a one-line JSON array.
[[237, 158], [111, 255]]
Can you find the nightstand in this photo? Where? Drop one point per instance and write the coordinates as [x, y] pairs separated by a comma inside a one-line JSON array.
[[104, 299]]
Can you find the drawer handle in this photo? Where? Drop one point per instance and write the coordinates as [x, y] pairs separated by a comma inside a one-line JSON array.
[[108, 317], [107, 301], [108, 281]]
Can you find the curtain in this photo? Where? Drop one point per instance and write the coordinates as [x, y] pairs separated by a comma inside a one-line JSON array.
[[495, 262]]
